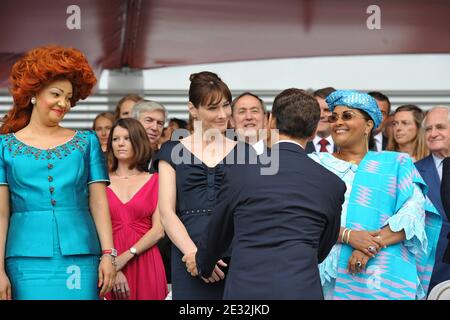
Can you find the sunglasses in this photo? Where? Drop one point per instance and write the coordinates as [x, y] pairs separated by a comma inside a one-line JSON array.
[[345, 116]]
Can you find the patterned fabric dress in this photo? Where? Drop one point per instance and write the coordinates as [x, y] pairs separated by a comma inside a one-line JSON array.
[[385, 189]]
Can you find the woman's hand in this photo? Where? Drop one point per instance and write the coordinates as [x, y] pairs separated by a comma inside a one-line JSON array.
[[5, 287], [217, 274], [121, 289], [368, 242], [191, 264], [106, 274], [357, 262], [123, 259]]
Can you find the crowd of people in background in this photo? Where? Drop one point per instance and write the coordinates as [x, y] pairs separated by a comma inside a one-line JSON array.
[[359, 207]]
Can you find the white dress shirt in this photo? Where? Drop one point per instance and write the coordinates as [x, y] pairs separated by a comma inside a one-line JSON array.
[[290, 141], [438, 164], [379, 141], [259, 147], [329, 146]]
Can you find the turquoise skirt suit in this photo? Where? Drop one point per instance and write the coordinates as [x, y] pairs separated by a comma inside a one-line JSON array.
[[52, 247]]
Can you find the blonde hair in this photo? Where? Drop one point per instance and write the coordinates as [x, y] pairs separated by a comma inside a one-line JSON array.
[[107, 115], [420, 149]]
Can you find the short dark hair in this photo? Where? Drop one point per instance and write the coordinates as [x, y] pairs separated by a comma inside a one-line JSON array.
[[324, 92], [248, 93], [139, 141], [182, 124], [380, 97], [296, 112]]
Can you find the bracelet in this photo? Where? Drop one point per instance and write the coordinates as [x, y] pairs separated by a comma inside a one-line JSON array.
[[113, 259], [343, 234], [348, 236], [111, 252]]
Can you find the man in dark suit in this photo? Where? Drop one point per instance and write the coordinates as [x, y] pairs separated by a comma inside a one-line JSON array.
[[248, 117], [445, 196], [282, 225], [380, 140], [322, 142], [152, 116], [437, 135], [445, 186]]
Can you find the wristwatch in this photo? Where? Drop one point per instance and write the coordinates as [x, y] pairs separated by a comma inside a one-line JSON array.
[[133, 251]]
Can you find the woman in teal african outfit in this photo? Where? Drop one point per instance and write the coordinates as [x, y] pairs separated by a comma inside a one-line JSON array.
[[389, 228], [54, 219]]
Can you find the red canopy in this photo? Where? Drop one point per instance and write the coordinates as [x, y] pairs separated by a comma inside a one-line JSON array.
[[156, 33]]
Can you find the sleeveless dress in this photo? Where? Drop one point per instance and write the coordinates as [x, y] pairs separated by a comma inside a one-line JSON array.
[[197, 186], [52, 247], [130, 221]]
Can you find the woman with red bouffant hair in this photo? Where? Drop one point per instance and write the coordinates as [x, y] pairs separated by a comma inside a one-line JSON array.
[[54, 217]]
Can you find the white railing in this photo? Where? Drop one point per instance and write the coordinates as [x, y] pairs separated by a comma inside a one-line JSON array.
[[176, 102]]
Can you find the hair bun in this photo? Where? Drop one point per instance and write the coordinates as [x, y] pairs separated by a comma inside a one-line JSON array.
[[192, 76], [204, 76]]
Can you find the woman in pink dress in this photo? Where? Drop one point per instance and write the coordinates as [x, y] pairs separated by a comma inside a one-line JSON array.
[[133, 202]]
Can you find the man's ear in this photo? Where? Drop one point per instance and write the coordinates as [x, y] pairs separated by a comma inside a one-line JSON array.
[[311, 138], [232, 123], [265, 121], [272, 122]]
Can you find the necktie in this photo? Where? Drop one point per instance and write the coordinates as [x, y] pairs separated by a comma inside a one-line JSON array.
[[323, 145]]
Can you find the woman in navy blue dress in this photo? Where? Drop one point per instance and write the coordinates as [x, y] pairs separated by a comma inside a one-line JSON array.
[[190, 173]]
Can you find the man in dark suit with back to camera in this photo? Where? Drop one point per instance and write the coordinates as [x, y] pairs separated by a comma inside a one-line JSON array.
[[281, 225]]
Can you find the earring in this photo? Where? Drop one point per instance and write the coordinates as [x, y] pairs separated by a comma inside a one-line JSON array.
[[33, 100], [366, 135]]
